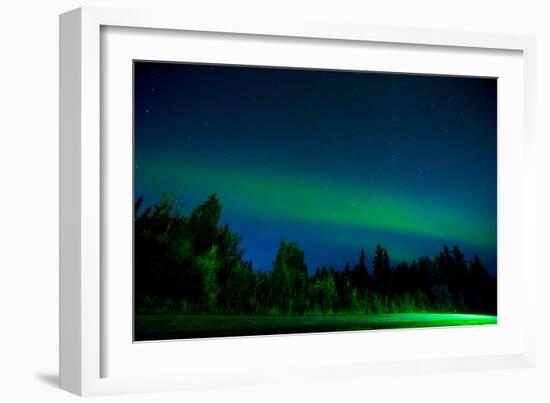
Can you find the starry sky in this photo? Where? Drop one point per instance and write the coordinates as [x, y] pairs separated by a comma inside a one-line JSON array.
[[333, 160]]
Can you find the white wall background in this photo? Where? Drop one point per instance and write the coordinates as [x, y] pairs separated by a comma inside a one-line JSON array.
[[29, 198]]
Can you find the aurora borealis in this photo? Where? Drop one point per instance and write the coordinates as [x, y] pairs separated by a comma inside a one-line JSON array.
[[334, 161]]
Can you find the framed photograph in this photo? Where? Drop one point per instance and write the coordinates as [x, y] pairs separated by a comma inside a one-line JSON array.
[[237, 197], [255, 187]]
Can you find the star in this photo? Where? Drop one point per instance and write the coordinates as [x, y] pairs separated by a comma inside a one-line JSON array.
[[367, 141]]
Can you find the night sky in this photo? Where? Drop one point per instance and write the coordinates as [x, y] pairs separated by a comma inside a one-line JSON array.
[[332, 160]]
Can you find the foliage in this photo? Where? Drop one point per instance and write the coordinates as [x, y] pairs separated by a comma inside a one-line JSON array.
[[290, 279], [193, 265]]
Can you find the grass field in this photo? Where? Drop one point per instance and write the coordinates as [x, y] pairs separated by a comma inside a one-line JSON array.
[[165, 327]]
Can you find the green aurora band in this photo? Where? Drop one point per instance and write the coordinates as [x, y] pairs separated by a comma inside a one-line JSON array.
[[304, 199]]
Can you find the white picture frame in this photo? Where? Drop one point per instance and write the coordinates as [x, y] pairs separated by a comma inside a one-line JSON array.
[[88, 332]]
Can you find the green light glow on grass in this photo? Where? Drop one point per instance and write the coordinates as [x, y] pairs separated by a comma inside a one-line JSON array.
[[288, 197], [165, 327]]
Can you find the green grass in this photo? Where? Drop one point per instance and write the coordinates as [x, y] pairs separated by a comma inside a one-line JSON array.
[[165, 327]]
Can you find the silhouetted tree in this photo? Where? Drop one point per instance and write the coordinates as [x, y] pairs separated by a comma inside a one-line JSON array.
[[360, 275], [382, 270], [191, 264], [290, 278], [324, 293], [204, 224]]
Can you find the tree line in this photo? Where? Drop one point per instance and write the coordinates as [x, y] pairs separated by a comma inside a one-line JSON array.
[[191, 264]]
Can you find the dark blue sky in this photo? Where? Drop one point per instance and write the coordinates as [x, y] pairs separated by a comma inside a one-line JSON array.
[[333, 160]]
